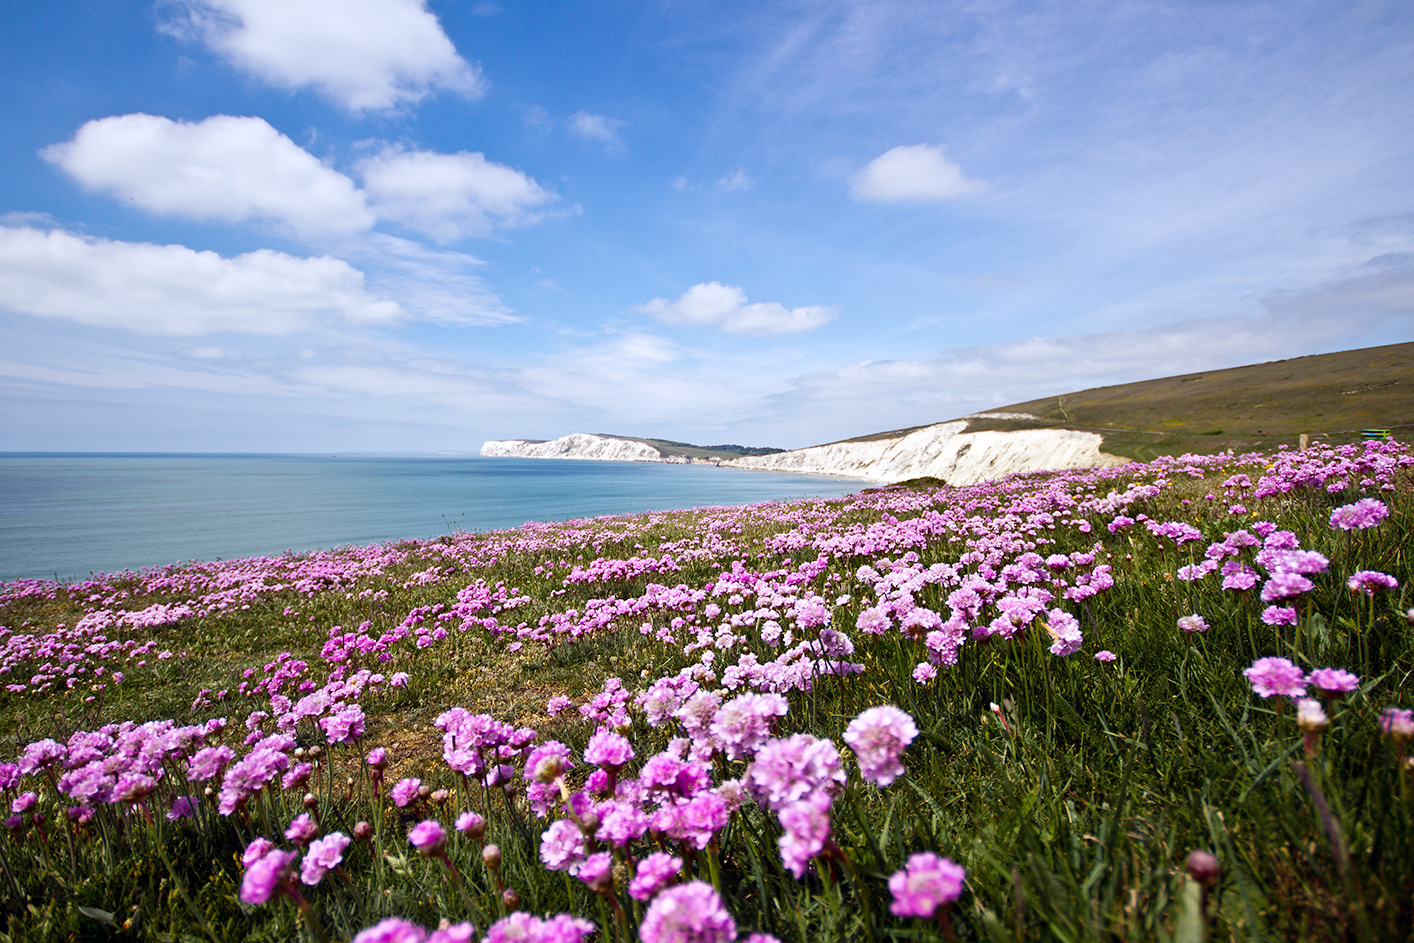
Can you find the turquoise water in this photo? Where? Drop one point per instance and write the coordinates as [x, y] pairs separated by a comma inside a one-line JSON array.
[[68, 515]]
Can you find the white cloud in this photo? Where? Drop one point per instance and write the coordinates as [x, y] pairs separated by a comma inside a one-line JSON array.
[[597, 128], [224, 168], [171, 289], [365, 55], [431, 284], [735, 182], [447, 196], [712, 303], [917, 173]]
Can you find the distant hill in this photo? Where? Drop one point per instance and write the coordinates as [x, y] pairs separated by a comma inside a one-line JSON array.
[[668, 448], [1334, 396]]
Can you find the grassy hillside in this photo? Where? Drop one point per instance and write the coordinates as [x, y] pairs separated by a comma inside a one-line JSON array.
[[1333, 396], [668, 448]]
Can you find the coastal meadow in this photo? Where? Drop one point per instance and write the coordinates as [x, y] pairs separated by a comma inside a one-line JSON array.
[[1161, 701]]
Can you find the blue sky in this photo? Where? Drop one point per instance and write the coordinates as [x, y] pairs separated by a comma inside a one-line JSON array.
[[396, 225]]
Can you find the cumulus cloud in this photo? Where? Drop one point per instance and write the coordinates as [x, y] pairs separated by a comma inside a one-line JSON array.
[[596, 128], [364, 55], [225, 168], [172, 289], [447, 196], [725, 307], [916, 173]]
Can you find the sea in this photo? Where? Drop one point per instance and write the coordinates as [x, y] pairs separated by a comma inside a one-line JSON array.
[[66, 516]]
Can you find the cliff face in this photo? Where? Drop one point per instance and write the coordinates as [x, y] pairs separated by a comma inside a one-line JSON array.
[[581, 445], [943, 451]]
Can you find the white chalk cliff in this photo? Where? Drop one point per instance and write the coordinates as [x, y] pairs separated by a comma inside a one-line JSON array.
[[943, 451], [581, 445]]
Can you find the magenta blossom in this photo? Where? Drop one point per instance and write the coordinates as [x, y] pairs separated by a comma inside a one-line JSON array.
[[1273, 676], [392, 930], [428, 837], [1370, 582], [878, 738], [1367, 512], [926, 884], [1333, 681], [688, 913], [269, 877], [653, 874], [1193, 623], [324, 855]]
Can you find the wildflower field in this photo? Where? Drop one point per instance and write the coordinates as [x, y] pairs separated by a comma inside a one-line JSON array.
[[1163, 701]]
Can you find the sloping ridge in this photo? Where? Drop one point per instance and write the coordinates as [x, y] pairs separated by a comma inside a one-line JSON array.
[[943, 451]]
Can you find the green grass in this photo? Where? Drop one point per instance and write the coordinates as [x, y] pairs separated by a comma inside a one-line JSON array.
[[1073, 820]]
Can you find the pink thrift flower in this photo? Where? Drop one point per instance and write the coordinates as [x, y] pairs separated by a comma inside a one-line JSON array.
[[1193, 623], [1065, 633], [257, 849], [404, 791], [1397, 724], [562, 846], [455, 933], [654, 873], [323, 856], [1273, 676], [688, 913], [302, 830], [787, 770], [392, 930], [608, 749], [268, 877], [1370, 582], [1367, 512], [1333, 680], [1105, 655], [472, 824], [878, 738], [597, 872], [924, 672], [806, 827], [428, 837], [1279, 615], [927, 883]]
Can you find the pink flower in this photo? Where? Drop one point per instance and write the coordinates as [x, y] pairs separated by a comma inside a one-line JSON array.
[[428, 837], [404, 791], [1193, 623], [1333, 680], [268, 877], [878, 738], [1065, 633], [927, 883], [787, 770], [392, 930], [562, 845], [1279, 615], [924, 672], [1105, 655], [1370, 582], [1273, 676], [1397, 724], [806, 827], [302, 830], [653, 874], [688, 913], [607, 749], [323, 855], [1367, 512]]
